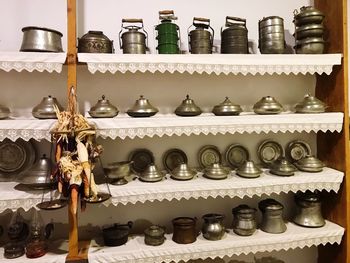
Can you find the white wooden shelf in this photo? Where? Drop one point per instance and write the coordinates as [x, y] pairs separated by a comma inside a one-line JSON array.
[[30, 61], [199, 187], [135, 250], [212, 63], [26, 129], [234, 186], [123, 126]]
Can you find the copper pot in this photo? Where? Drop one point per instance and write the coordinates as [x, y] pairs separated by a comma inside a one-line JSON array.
[[184, 230]]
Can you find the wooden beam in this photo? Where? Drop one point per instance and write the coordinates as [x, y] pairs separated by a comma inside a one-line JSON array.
[[333, 148]]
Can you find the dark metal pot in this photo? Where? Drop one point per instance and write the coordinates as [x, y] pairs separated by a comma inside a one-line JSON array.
[[184, 230], [201, 38], [234, 38], [133, 37], [213, 227], [272, 221], [116, 235], [244, 222], [95, 42], [154, 235]]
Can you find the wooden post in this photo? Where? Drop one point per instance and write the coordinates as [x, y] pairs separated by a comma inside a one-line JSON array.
[[333, 148], [73, 245]]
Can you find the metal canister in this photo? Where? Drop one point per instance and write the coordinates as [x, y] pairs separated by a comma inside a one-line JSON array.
[[271, 35], [133, 37], [168, 33], [201, 38], [272, 212], [234, 37]]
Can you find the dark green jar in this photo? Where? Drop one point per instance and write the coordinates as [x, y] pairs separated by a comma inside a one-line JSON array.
[[167, 39], [167, 27], [168, 49]]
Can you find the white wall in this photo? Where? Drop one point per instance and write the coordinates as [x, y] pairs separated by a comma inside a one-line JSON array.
[[24, 90]]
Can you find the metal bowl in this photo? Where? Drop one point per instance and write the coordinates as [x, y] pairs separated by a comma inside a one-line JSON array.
[[313, 30], [310, 45], [41, 39], [308, 15]]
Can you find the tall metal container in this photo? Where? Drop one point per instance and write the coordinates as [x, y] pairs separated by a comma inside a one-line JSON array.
[[271, 35], [201, 38], [133, 37], [168, 33], [234, 36]]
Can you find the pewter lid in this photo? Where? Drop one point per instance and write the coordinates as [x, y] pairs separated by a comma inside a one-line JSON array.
[[103, 108], [226, 108], [45, 109], [141, 108], [183, 172], [249, 169], [310, 104], [307, 11], [282, 167], [267, 105], [155, 231], [4, 112], [39, 173], [151, 174], [270, 204], [188, 108], [216, 171], [310, 164]]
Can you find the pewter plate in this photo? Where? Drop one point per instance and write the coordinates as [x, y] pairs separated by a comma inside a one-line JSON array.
[[52, 205], [297, 150], [141, 159], [269, 151], [15, 157], [236, 155], [208, 155], [173, 157]]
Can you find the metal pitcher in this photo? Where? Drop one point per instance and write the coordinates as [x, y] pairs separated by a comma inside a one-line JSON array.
[[133, 39], [201, 38], [168, 33], [272, 212], [234, 36]]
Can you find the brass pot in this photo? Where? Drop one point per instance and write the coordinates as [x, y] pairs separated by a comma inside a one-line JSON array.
[[184, 230], [95, 42]]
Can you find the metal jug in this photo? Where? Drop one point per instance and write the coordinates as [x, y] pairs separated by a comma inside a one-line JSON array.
[[244, 222], [168, 33], [234, 36], [213, 227], [201, 38], [133, 37], [272, 221]]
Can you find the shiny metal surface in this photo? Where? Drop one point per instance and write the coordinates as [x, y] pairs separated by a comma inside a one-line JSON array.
[[310, 104], [270, 21], [244, 220], [236, 154], [151, 174], [172, 158], [249, 170], [40, 39], [103, 109], [227, 108], [309, 30], [207, 155], [188, 108], [310, 164], [297, 149], [182, 172], [309, 212], [269, 151], [142, 108], [310, 45], [117, 171], [267, 105], [133, 37], [213, 227], [200, 39], [154, 235], [141, 158], [272, 220], [95, 42], [4, 112], [308, 15], [216, 171], [45, 109], [282, 167]]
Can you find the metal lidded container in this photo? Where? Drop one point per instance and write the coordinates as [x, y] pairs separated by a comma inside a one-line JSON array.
[[244, 222], [234, 37], [201, 38], [133, 37], [227, 108], [142, 108], [154, 235], [188, 108], [45, 109], [184, 230], [267, 105], [168, 33], [103, 109], [271, 35], [40, 39], [272, 221], [95, 42]]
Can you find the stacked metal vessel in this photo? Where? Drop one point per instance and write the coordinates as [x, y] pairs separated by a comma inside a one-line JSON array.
[[234, 37], [133, 37], [168, 33], [271, 35], [309, 31], [201, 37]]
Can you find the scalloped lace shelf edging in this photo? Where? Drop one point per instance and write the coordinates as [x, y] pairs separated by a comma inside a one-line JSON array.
[[135, 251], [214, 63]]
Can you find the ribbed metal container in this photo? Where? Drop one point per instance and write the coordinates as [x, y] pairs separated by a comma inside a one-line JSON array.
[[271, 35], [234, 37], [201, 38], [133, 37], [168, 33]]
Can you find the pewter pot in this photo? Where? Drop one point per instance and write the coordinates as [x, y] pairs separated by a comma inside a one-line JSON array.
[[310, 104], [154, 235], [40, 39], [308, 15], [182, 172], [184, 230], [188, 108], [244, 222], [308, 210], [267, 105], [216, 171], [142, 108], [45, 109], [282, 167], [310, 45], [95, 42], [213, 227], [133, 37], [151, 174], [117, 171], [227, 108], [234, 38], [249, 170], [272, 221], [310, 164], [103, 109], [201, 38]]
